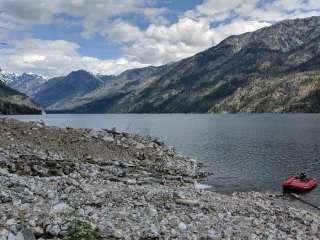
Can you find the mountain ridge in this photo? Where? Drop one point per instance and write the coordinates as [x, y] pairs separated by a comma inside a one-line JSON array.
[[202, 82], [253, 72]]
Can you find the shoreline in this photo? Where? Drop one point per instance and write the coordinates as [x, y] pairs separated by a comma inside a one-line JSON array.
[[122, 186]]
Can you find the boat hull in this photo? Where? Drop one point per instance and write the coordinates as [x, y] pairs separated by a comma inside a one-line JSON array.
[[295, 184]]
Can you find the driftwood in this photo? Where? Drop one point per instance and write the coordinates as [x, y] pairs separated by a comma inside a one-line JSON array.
[[296, 196]]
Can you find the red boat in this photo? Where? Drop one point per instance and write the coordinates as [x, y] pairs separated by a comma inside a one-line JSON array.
[[295, 183]]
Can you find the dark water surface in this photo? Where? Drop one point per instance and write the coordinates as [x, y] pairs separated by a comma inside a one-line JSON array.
[[246, 152]]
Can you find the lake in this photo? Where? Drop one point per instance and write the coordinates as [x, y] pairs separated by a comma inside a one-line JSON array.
[[245, 152]]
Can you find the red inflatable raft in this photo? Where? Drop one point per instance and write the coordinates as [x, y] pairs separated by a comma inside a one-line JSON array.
[[294, 183]]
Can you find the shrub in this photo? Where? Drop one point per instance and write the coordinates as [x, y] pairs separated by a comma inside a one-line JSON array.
[[81, 230]]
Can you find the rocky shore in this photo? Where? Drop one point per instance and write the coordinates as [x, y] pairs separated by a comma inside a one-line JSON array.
[[82, 184]]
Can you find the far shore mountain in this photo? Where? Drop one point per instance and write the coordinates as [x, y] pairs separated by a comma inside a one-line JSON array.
[[58, 91], [27, 83], [274, 69]]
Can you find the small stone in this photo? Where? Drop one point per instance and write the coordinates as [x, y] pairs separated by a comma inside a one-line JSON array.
[[152, 212], [20, 232], [140, 146], [108, 139], [53, 230], [182, 226], [5, 198], [190, 202], [117, 234], [123, 164], [11, 222], [17, 236], [51, 195], [27, 234], [150, 232], [131, 181], [179, 194], [60, 208], [40, 125], [212, 235], [38, 231], [4, 234], [314, 228]]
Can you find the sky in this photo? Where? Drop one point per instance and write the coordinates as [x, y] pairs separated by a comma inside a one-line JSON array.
[[55, 37]]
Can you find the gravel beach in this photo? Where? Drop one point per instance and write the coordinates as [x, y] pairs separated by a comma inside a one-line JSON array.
[[63, 183]]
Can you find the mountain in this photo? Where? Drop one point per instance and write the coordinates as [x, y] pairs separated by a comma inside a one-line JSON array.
[[7, 78], [27, 83], [56, 91], [116, 89], [274, 69], [13, 102]]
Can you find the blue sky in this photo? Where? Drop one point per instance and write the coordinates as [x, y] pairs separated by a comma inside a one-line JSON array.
[[54, 37], [97, 46]]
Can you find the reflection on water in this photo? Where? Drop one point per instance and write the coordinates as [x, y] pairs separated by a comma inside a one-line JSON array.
[[245, 152]]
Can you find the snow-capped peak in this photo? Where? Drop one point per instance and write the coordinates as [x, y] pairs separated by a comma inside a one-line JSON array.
[[13, 79]]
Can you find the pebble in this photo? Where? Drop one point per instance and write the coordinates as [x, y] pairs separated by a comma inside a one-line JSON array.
[[182, 226], [53, 230], [151, 232], [60, 207], [117, 234], [152, 212], [108, 139]]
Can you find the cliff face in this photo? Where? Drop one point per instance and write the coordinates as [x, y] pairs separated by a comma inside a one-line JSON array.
[[274, 69], [13, 102]]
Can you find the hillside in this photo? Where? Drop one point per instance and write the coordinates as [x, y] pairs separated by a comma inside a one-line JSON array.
[[274, 69], [13, 102]]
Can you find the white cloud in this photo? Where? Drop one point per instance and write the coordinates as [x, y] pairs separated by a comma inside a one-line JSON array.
[[256, 10], [161, 44], [239, 26], [217, 10], [95, 14], [122, 32], [55, 58]]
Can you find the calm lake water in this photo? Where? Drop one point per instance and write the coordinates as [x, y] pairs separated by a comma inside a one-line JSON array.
[[245, 152]]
